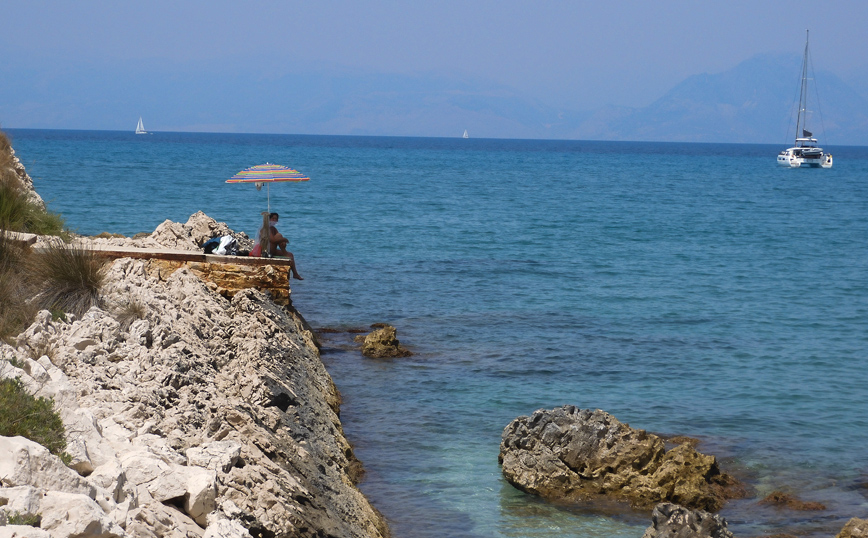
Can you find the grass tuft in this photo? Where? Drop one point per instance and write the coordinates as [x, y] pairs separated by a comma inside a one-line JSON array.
[[130, 311], [67, 278], [15, 311]]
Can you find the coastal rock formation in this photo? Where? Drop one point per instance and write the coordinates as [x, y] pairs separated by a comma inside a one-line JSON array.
[[190, 235], [198, 229], [855, 528], [673, 521], [582, 455], [187, 414], [11, 169], [383, 343]]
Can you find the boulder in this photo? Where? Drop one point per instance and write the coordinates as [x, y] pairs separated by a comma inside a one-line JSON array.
[[383, 343], [198, 229], [855, 528], [226, 528], [70, 514], [201, 495], [22, 531], [582, 455], [221, 455], [202, 228], [21, 500], [26, 463], [673, 521]]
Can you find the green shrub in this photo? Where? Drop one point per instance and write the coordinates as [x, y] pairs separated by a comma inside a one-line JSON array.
[[32, 520], [17, 212], [30, 417], [66, 278]]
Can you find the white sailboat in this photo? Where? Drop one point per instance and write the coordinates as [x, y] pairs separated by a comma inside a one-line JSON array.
[[805, 152], [465, 134], [140, 128]]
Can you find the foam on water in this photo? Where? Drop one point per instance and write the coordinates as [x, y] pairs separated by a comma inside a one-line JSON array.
[[685, 288]]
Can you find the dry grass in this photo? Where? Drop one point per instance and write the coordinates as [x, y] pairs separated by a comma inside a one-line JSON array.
[[66, 278], [15, 311], [130, 311], [5, 151]]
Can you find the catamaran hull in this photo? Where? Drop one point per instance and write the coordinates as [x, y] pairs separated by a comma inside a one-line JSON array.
[[796, 161]]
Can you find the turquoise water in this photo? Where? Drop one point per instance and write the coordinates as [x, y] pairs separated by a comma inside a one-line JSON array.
[[685, 288]]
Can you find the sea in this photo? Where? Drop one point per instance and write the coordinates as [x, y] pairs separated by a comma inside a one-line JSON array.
[[693, 289]]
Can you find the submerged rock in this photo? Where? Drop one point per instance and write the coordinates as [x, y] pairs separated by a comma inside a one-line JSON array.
[[785, 500], [673, 521], [582, 455]]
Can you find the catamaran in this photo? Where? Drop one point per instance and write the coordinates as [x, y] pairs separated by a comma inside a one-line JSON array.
[[140, 129], [805, 152]]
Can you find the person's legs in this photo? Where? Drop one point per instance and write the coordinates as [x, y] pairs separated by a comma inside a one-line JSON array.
[[292, 266]]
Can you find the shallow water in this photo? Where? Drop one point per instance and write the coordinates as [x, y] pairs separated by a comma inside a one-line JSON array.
[[684, 288]]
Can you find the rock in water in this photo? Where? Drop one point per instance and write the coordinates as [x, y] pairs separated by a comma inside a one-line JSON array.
[[383, 343], [672, 521], [582, 455], [855, 528]]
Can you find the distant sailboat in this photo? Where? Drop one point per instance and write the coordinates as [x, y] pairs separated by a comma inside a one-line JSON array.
[[805, 153], [465, 134], [140, 129]]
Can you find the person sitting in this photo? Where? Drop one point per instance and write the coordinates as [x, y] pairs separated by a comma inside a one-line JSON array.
[[277, 242]]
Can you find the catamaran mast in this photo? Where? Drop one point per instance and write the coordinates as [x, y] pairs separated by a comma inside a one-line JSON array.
[[802, 119]]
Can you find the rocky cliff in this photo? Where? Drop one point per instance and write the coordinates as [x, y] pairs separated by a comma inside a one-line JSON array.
[[187, 414], [203, 417]]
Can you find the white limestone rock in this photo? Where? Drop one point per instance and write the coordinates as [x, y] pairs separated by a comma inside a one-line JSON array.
[[202, 403], [162, 480], [21, 500], [226, 528], [70, 514], [201, 496], [26, 463], [221, 455], [22, 531]]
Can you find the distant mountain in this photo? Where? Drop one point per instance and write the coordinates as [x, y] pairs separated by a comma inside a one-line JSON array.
[[753, 102]]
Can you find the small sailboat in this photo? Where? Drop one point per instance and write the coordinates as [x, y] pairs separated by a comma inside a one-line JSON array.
[[805, 153], [465, 134], [140, 128]]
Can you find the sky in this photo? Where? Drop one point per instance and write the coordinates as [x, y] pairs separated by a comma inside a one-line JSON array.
[[580, 55]]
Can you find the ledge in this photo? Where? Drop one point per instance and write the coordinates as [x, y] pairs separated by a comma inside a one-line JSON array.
[[18, 237], [181, 256]]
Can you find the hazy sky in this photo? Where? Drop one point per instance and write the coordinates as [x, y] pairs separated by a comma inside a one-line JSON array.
[[580, 54]]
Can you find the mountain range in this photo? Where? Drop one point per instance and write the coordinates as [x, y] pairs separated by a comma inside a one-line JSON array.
[[753, 102]]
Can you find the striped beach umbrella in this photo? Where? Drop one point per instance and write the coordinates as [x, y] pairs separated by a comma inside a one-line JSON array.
[[266, 174]]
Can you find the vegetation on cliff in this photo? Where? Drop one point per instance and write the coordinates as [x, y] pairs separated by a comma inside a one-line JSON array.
[[18, 212], [34, 418], [61, 278]]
